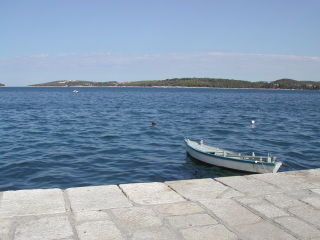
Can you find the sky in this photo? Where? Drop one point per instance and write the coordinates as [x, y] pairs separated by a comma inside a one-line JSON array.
[[126, 40]]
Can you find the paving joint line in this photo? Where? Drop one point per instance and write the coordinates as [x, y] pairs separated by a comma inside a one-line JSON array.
[[265, 218], [70, 213], [223, 223]]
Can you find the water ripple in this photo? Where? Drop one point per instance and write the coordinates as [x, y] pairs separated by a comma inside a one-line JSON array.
[[52, 137]]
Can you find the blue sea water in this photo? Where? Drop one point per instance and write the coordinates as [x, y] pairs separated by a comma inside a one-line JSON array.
[[52, 137]]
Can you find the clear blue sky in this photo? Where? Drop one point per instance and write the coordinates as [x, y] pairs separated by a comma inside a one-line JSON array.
[[48, 40]]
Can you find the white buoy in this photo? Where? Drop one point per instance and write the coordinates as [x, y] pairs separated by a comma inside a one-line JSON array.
[[252, 122]]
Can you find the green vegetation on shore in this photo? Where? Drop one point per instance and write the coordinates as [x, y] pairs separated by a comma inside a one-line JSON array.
[[74, 83], [2, 85], [227, 83], [191, 82]]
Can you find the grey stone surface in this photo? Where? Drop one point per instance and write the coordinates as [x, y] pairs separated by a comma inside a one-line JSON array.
[[97, 198], [268, 210], [198, 189], [307, 213], [231, 212], [156, 233], [298, 194], [301, 228], [99, 230], [263, 230], [5, 226], [242, 207], [249, 185], [44, 228], [283, 201], [136, 217], [185, 221], [310, 176], [231, 193], [313, 201], [317, 190], [250, 200], [31, 202], [213, 232], [90, 215], [179, 208], [288, 181], [150, 193]]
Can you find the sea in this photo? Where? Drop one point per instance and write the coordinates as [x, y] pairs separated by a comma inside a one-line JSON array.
[[52, 137]]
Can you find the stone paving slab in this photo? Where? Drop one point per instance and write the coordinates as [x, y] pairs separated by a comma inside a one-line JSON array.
[[230, 212], [300, 228], [263, 230], [289, 181], [44, 228], [313, 201], [200, 189], [283, 201], [97, 198], [32, 202], [250, 186], [159, 233], [179, 208], [136, 217], [268, 210], [98, 230], [5, 226], [150, 193], [241, 207], [186, 221], [90, 216], [316, 190], [307, 213], [212, 232]]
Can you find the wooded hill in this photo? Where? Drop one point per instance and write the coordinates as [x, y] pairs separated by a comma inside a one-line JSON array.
[[227, 83], [191, 82]]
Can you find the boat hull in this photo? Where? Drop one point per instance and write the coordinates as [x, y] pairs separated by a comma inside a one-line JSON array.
[[231, 163]]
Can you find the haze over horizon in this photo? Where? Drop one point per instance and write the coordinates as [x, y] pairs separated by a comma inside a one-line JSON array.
[[43, 41]]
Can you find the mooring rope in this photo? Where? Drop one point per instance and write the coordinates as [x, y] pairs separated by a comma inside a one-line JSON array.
[[289, 166]]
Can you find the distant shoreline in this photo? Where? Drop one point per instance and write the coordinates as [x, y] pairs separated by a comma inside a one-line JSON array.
[[153, 87], [218, 83]]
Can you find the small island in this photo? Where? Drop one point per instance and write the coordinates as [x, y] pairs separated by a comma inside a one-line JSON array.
[[191, 82], [2, 85]]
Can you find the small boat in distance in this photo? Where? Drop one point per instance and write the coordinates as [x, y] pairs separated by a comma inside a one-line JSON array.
[[227, 159], [75, 91]]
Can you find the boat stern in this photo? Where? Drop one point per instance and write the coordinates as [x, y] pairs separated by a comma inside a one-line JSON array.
[[277, 166]]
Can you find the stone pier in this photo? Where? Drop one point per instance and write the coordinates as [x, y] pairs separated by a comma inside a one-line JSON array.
[[284, 205]]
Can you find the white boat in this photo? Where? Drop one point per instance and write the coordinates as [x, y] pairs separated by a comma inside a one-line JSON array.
[[227, 159], [75, 91]]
